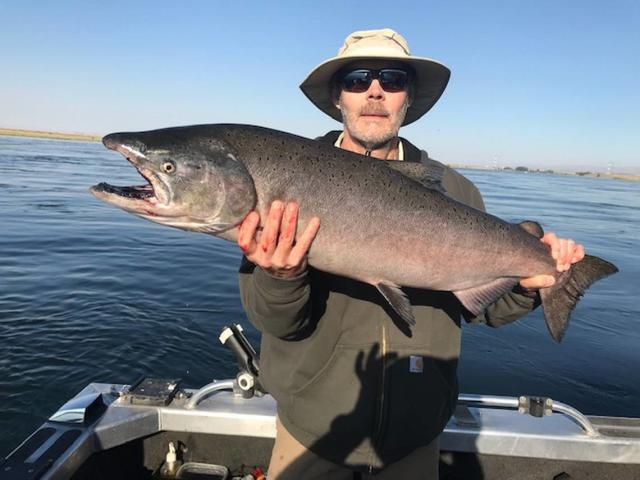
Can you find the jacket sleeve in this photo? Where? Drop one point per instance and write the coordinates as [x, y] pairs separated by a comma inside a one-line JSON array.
[[508, 308], [279, 307], [511, 306]]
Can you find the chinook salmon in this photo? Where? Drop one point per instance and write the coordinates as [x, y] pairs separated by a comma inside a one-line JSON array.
[[388, 224]]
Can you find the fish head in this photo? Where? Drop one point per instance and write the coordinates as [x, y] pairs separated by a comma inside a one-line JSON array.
[[193, 183]]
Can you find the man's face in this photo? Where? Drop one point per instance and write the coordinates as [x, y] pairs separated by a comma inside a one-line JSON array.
[[373, 117]]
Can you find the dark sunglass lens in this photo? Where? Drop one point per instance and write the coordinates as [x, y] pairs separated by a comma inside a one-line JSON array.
[[393, 80], [356, 81]]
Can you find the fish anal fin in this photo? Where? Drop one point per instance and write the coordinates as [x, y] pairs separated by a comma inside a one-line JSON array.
[[398, 301], [477, 299]]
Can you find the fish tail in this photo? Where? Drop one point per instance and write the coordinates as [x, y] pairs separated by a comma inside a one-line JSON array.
[[559, 300]]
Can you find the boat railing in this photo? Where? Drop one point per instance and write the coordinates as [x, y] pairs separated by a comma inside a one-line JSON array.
[[535, 406], [247, 384], [209, 389]]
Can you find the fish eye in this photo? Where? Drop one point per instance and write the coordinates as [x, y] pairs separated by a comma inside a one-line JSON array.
[[169, 167]]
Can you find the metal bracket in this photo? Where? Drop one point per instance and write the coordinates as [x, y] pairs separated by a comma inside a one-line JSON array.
[[152, 391], [535, 406]]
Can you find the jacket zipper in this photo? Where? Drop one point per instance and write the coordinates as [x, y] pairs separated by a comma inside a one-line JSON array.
[[377, 434]]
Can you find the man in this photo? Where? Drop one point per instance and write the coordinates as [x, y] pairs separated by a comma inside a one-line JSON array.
[[357, 390]]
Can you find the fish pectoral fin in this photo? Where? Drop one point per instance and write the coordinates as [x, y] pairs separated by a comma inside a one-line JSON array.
[[477, 299], [398, 301]]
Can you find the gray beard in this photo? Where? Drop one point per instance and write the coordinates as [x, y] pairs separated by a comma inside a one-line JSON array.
[[372, 142], [372, 145]]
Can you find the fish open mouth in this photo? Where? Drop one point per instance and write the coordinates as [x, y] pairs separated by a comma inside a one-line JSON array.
[[142, 199], [139, 192]]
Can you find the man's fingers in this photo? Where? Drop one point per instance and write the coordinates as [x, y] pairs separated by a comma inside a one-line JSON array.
[[304, 242], [578, 254], [570, 247], [274, 250], [286, 237], [537, 282], [562, 254], [288, 228], [551, 239], [246, 235], [269, 235], [564, 251], [569, 253]]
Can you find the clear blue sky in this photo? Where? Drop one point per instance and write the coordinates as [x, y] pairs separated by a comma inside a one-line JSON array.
[[534, 82]]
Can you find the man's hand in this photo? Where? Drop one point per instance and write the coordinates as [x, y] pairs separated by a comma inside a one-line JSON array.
[[276, 250], [565, 252]]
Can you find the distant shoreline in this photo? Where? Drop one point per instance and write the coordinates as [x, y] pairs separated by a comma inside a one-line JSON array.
[[611, 176], [17, 132], [82, 137]]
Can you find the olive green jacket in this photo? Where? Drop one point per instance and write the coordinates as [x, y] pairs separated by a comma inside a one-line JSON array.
[[352, 383]]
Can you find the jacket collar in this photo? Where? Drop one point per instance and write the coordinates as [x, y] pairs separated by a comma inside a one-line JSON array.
[[411, 152]]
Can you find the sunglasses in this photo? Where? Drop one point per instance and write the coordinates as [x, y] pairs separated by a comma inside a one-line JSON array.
[[391, 79]]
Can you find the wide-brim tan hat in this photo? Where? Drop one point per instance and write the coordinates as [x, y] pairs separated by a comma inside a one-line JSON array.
[[431, 77]]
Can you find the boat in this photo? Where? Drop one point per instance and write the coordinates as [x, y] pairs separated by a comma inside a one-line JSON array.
[[156, 429]]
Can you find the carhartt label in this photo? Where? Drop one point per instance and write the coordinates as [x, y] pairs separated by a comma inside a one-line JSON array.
[[415, 364]]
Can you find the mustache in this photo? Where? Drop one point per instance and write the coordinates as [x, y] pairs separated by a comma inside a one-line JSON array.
[[372, 109]]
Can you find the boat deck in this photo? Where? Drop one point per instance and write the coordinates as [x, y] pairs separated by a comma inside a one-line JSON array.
[[103, 431]]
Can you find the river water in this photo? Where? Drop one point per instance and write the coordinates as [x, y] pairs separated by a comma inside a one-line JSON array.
[[89, 293]]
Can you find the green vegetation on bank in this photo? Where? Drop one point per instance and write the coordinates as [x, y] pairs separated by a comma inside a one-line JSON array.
[[16, 132]]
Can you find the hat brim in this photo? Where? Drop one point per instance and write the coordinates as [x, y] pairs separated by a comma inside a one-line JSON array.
[[430, 82]]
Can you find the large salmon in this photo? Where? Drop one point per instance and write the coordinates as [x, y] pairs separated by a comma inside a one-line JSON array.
[[385, 223]]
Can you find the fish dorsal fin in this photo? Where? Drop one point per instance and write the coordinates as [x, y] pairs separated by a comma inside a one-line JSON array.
[[477, 299], [428, 173], [398, 301], [532, 227]]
